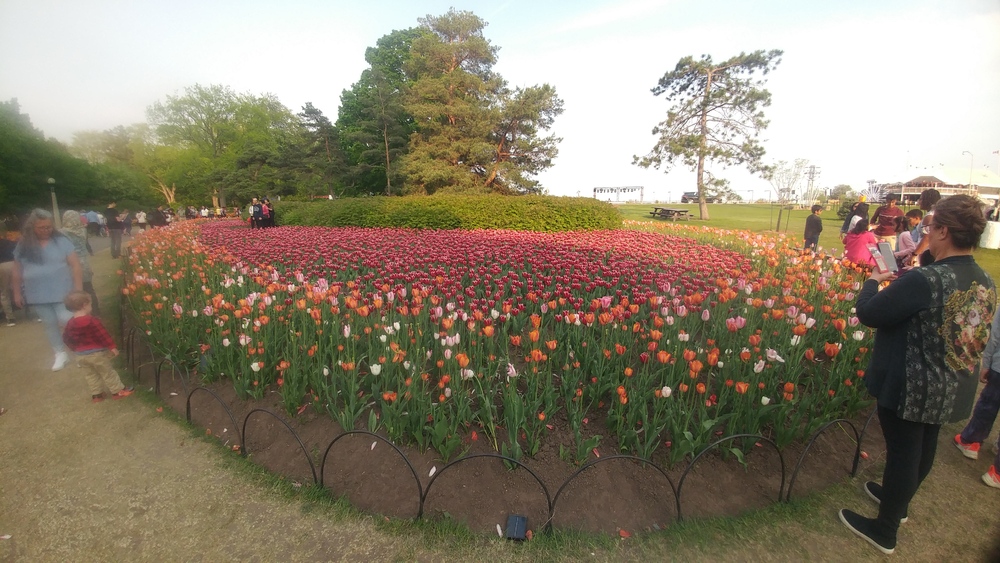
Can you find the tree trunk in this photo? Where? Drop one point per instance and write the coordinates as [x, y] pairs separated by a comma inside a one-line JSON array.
[[168, 192], [702, 205], [385, 141]]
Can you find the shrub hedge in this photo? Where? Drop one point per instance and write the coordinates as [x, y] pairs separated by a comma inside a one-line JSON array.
[[521, 213]]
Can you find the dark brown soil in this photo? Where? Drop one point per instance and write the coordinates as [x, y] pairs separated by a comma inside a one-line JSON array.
[[608, 496]]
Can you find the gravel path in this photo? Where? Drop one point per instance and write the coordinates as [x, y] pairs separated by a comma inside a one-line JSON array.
[[117, 481]]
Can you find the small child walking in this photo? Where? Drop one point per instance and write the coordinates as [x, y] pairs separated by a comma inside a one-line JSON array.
[[985, 412], [86, 336]]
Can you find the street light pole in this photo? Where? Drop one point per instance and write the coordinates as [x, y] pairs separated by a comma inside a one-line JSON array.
[[56, 219], [971, 160]]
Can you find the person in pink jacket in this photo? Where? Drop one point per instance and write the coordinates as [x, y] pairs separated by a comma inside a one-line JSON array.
[[856, 244]]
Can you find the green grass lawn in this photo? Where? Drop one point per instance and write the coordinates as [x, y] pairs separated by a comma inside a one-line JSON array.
[[763, 217]]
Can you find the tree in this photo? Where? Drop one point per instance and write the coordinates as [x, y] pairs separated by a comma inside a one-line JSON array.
[[373, 124], [224, 140], [29, 160], [715, 115], [376, 131], [473, 132], [322, 156], [518, 150], [449, 99], [841, 191], [785, 177]]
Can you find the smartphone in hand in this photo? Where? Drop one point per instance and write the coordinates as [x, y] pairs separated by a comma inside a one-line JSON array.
[[881, 262]]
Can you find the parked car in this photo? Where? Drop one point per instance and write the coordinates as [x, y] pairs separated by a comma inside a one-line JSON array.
[[692, 197]]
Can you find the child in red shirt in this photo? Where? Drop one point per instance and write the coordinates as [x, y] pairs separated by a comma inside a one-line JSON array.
[[89, 340]]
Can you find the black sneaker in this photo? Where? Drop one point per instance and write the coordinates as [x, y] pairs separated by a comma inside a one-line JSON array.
[[874, 491], [865, 529]]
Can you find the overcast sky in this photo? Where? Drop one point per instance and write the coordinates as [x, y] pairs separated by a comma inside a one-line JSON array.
[[866, 90]]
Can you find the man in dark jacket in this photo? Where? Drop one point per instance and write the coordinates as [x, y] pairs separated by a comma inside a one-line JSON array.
[[814, 226], [115, 228]]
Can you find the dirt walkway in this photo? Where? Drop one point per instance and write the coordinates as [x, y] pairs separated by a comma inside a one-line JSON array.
[[119, 481]]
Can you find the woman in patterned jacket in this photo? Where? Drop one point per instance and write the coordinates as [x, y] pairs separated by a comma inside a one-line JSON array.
[[932, 325]]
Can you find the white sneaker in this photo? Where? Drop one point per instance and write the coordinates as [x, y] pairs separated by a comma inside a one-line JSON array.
[[61, 359]]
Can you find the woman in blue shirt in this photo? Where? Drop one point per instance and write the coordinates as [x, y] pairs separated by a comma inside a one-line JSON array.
[[47, 267]]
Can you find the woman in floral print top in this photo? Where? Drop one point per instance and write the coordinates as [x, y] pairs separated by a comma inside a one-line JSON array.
[[932, 325]]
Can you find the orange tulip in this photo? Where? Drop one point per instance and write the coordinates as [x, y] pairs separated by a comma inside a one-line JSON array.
[[831, 349]]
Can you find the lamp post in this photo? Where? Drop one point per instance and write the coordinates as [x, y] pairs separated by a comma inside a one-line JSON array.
[[971, 160], [56, 219]]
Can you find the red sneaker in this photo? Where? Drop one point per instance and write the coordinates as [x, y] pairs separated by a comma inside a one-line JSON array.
[[970, 451], [122, 394], [992, 478], [97, 398]]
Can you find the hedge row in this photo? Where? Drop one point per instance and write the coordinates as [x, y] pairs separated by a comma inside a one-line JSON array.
[[521, 213]]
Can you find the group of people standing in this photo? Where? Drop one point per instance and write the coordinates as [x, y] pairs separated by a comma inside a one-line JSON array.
[[261, 213], [903, 231], [933, 345]]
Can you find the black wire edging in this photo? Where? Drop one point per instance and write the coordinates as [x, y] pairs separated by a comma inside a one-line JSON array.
[[133, 341], [413, 471], [589, 464], [713, 445], [305, 451], [548, 498], [824, 428], [218, 399]]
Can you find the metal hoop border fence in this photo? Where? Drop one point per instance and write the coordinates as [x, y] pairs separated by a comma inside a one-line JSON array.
[[133, 337]]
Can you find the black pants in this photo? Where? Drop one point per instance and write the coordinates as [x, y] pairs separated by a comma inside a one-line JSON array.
[[909, 455], [116, 242], [89, 288]]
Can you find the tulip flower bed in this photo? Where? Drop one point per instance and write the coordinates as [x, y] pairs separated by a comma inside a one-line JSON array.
[[646, 342]]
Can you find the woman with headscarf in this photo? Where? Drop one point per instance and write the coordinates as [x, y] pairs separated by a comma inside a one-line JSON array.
[[74, 229], [931, 329], [47, 267]]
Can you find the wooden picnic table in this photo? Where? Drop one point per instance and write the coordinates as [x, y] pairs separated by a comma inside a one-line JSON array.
[[670, 213]]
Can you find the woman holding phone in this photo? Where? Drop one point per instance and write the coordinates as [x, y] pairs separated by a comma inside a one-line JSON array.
[[932, 325]]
